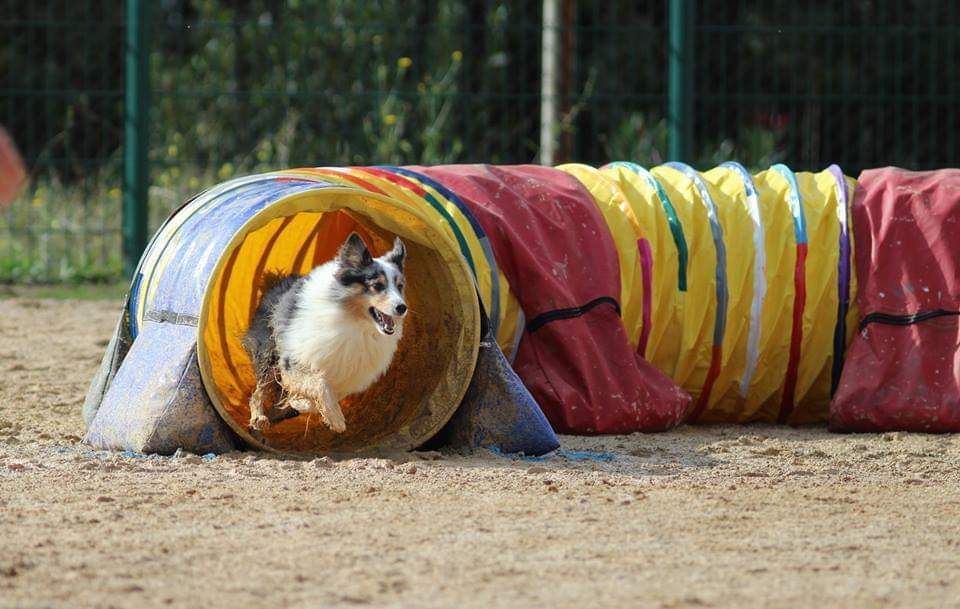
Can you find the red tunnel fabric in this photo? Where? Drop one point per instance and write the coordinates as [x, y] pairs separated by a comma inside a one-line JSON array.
[[902, 371], [555, 249]]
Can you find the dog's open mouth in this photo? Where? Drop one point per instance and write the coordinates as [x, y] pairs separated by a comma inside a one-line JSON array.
[[384, 322]]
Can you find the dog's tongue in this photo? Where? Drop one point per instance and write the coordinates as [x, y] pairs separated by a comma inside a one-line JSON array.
[[387, 322]]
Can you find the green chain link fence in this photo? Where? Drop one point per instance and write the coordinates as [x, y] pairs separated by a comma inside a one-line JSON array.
[[235, 86]]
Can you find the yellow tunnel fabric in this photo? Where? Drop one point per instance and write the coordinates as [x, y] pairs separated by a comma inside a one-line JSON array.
[[762, 234], [853, 311], [739, 215], [698, 304], [725, 400]]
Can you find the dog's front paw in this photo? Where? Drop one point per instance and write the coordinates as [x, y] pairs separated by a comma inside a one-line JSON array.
[[301, 404], [333, 417], [259, 422]]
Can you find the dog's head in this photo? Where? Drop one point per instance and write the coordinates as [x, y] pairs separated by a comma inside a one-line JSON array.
[[372, 286]]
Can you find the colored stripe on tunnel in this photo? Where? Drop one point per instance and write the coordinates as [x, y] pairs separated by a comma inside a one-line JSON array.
[[343, 177], [843, 279], [412, 186], [646, 267], [800, 291], [443, 190], [451, 196], [133, 303], [759, 276], [722, 292], [676, 228]]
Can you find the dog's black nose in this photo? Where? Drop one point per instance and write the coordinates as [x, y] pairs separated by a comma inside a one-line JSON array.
[[401, 309]]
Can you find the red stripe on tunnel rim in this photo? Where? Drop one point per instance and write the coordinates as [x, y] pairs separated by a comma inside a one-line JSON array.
[[788, 399], [344, 176], [716, 356], [397, 179], [796, 334]]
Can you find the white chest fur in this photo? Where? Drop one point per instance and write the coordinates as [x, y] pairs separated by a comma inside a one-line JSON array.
[[324, 338]]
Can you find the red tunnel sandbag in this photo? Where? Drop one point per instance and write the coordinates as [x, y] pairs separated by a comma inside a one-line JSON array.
[[555, 249], [902, 371]]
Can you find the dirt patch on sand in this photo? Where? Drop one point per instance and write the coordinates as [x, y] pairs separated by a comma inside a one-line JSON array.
[[700, 517]]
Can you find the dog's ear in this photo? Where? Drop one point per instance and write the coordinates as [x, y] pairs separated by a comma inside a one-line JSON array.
[[397, 254], [354, 253]]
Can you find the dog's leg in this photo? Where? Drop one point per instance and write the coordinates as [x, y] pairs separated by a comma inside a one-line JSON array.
[[330, 409], [262, 351], [311, 393], [261, 401], [281, 410]]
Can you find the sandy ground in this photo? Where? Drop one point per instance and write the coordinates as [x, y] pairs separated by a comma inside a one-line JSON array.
[[700, 517]]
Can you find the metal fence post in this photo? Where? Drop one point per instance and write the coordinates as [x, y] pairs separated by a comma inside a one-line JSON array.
[[136, 170], [549, 80], [680, 95]]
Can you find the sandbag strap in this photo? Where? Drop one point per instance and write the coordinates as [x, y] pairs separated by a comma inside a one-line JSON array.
[[171, 317], [903, 320], [544, 318]]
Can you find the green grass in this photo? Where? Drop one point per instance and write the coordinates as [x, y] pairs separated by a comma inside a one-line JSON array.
[[71, 233], [57, 232], [67, 291]]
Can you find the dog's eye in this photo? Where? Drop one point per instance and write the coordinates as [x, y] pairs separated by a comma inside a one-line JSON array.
[[378, 286], [400, 286]]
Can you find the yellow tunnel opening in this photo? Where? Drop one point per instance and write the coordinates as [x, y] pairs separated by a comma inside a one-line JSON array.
[[435, 358]]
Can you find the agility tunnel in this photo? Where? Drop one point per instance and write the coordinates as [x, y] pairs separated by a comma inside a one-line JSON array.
[[175, 370], [569, 299]]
